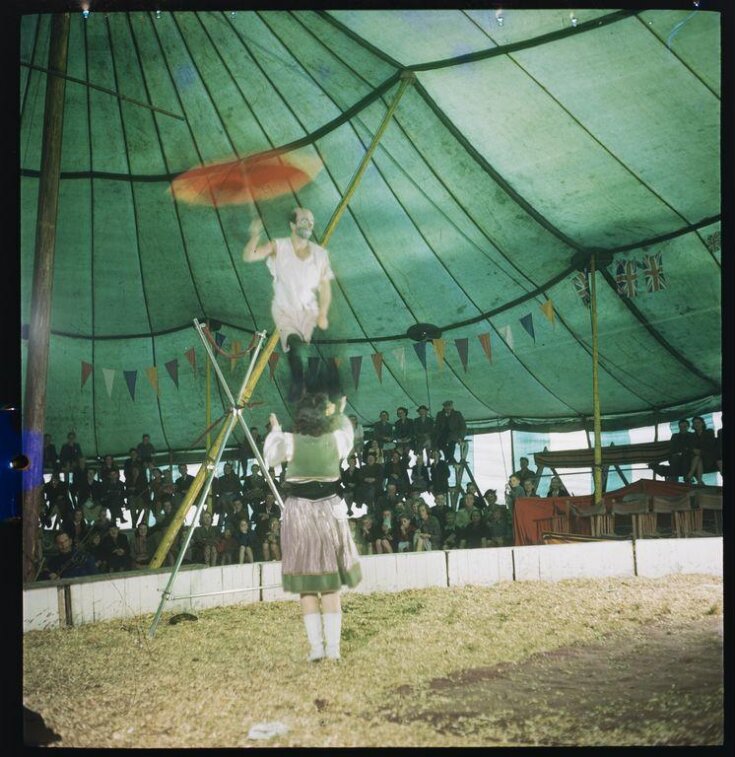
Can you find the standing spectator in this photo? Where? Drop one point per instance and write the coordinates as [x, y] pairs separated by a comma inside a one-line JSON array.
[[69, 562], [680, 452], [359, 436], [439, 474], [428, 532], [423, 431], [524, 473], [70, 451], [245, 542], [403, 432], [183, 483], [272, 541], [450, 429], [351, 478], [112, 495], [57, 499], [116, 549], [141, 547], [204, 540], [146, 451], [704, 451], [50, 455], [403, 536], [529, 488], [383, 431], [474, 534], [513, 490]]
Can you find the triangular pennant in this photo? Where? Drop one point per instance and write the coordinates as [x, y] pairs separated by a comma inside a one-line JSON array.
[[191, 356], [378, 365], [507, 335], [527, 323], [130, 378], [273, 362], [400, 355], [109, 374], [236, 347], [439, 347], [547, 308], [420, 348], [356, 364], [462, 346], [485, 342], [86, 371], [219, 337], [173, 370], [152, 374], [337, 361]]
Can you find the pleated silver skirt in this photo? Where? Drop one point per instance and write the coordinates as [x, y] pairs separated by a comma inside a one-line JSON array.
[[318, 553]]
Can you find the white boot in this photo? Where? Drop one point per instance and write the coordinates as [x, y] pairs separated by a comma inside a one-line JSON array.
[[313, 623], [332, 633]]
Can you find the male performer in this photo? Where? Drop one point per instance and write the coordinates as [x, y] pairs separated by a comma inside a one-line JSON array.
[[301, 287]]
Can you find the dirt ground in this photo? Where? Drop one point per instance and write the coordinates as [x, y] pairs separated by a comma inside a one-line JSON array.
[[611, 662]]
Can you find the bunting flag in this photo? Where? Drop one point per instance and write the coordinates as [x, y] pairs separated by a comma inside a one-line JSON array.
[[173, 370], [485, 342], [462, 346], [86, 371], [130, 378], [653, 273], [191, 356], [272, 362], [236, 347], [337, 362], [152, 374], [626, 277], [109, 374], [356, 364], [507, 335], [420, 348], [582, 287], [400, 356], [439, 347], [377, 358], [547, 308], [527, 323]]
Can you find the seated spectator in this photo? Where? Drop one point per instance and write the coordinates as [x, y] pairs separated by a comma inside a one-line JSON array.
[[365, 535], [141, 547], [132, 462], [254, 486], [383, 432], [78, 472], [146, 451], [704, 451], [226, 547], [396, 471], [680, 452], [96, 551], [58, 502], [272, 542], [182, 484], [440, 509], [438, 474], [163, 515], [529, 488], [524, 472], [112, 495], [86, 493], [499, 532], [403, 536], [449, 430], [359, 437], [490, 497], [350, 481], [245, 542], [389, 500], [464, 514], [371, 482], [102, 523], [450, 534], [108, 465], [420, 480], [69, 452], [373, 448], [403, 432], [115, 548], [227, 488], [384, 533], [474, 534], [238, 510], [423, 432], [428, 531], [262, 514], [204, 540], [168, 487], [557, 488], [68, 562], [513, 490], [50, 455], [76, 527], [138, 495]]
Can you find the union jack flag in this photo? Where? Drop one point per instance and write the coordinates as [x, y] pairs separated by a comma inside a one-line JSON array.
[[626, 277], [582, 287], [653, 272]]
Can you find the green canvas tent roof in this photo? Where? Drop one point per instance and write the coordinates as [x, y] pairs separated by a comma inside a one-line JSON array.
[[517, 150]]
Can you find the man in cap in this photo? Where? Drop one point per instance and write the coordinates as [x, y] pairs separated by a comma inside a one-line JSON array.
[[450, 429]]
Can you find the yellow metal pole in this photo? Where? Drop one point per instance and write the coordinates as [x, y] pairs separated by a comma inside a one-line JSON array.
[[597, 467]]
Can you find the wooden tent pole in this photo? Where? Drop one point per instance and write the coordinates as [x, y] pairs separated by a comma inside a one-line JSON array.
[[34, 409], [597, 468]]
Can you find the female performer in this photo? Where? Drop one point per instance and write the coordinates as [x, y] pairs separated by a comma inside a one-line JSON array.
[[318, 553]]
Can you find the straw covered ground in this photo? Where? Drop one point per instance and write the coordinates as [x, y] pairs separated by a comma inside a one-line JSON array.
[[584, 662]]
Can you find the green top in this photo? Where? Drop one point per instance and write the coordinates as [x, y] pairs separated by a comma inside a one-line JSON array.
[[315, 458]]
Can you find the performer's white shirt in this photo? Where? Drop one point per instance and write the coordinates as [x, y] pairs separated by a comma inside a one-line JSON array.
[[296, 281]]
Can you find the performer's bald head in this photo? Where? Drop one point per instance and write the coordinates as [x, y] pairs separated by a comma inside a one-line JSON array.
[[301, 221]]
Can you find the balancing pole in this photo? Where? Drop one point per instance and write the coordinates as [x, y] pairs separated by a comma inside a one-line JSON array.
[[34, 410]]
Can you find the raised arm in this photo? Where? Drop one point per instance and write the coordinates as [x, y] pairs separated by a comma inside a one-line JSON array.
[[325, 300], [252, 251]]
